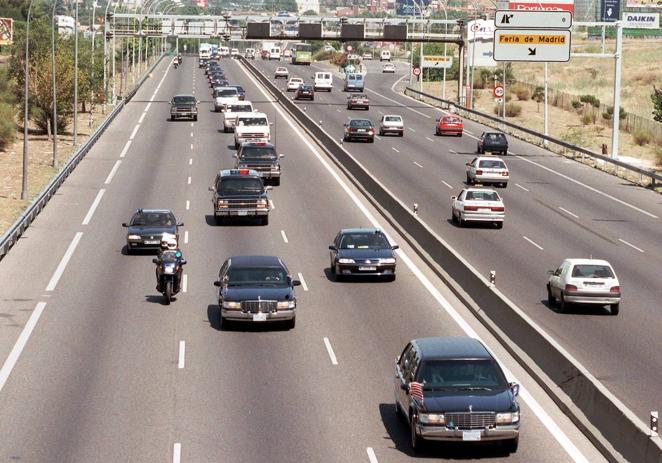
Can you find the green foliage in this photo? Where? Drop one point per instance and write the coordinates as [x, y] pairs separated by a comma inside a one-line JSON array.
[[7, 125], [656, 98], [609, 113], [590, 99], [641, 138], [538, 94], [512, 110], [576, 104], [285, 5]]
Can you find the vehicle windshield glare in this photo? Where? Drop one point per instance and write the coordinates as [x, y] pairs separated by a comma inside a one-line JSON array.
[[268, 276], [258, 153], [393, 119], [592, 271], [363, 241], [228, 92], [252, 121], [153, 219], [461, 374], [482, 196], [491, 164], [239, 185], [184, 100]]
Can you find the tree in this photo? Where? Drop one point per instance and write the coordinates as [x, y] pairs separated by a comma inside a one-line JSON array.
[[309, 13], [538, 96], [656, 97]]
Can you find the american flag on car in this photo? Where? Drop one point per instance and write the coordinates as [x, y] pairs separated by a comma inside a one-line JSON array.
[[416, 391]]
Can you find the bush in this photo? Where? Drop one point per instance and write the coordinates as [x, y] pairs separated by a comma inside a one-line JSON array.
[[641, 138], [512, 109], [539, 94], [609, 113], [590, 99], [576, 104], [589, 118], [7, 125], [339, 59], [522, 91]]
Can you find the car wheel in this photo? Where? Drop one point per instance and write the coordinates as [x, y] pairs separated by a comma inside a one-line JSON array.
[[453, 218], [414, 439], [563, 306], [402, 134], [437, 133], [381, 133], [225, 129], [129, 251], [510, 445], [225, 324], [371, 140], [469, 181], [195, 118], [504, 153], [614, 308], [460, 221], [551, 300]]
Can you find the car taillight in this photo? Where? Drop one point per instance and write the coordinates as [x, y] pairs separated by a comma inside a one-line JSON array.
[[570, 288], [470, 208], [498, 208], [504, 173], [479, 172], [615, 289]]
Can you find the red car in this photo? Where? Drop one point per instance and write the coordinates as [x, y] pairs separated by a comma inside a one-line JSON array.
[[451, 125]]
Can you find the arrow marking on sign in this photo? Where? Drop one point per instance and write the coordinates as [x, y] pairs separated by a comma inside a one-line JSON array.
[[532, 52]]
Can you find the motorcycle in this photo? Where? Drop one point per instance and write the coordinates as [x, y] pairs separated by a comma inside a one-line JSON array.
[[170, 277], [175, 64]]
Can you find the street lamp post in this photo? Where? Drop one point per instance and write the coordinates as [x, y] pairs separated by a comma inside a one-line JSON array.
[[443, 85], [24, 182], [76, 75], [105, 57], [94, 11], [53, 69]]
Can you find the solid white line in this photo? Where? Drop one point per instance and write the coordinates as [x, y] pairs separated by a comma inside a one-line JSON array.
[[188, 204], [126, 148], [568, 212], [411, 129], [418, 164], [520, 186], [595, 190], [303, 282], [186, 237], [282, 233], [371, 455], [380, 112], [537, 409], [182, 355], [93, 207], [452, 151], [395, 149], [184, 283], [15, 353], [142, 116], [63, 263], [533, 243], [271, 203], [329, 349], [190, 162], [429, 139], [177, 453], [112, 171], [448, 185], [189, 180], [149, 105], [135, 130], [631, 245], [398, 103]]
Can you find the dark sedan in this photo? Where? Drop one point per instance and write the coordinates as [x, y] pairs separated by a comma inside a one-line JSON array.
[[362, 251], [147, 226], [184, 106], [256, 289], [359, 129], [492, 142], [305, 92]]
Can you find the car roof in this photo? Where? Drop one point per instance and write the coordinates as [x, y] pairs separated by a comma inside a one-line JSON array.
[[249, 113], [259, 144], [184, 94], [480, 189], [154, 210], [451, 347], [251, 261], [580, 261], [360, 230]]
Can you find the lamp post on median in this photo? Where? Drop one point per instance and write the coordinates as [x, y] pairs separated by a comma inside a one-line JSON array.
[[24, 180], [53, 71], [75, 75], [94, 11]]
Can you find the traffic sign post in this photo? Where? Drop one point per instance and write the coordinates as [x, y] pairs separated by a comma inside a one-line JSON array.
[[416, 71], [531, 45]]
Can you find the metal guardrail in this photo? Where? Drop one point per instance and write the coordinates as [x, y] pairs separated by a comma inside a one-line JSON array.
[[612, 428], [11, 236], [654, 176]]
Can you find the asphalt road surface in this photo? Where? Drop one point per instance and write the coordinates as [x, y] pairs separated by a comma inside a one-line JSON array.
[[96, 368]]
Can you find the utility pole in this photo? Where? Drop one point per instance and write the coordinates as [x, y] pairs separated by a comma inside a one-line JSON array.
[[76, 75], [24, 181], [617, 89], [53, 71]]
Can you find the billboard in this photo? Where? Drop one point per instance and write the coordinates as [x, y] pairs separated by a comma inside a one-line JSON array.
[[6, 31], [544, 5], [644, 4], [641, 20]]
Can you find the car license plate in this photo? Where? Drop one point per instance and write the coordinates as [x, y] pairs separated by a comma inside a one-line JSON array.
[[361, 130], [242, 212], [484, 211], [262, 317], [471, 435], [367, 269], [151, 241]]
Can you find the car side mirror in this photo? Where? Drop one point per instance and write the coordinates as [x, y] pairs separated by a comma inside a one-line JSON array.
[[211, 188], [281, 156], [183, 262], [180, 224], [234, 155], [296, 282], [125, 224], [514, 387], [395, 246], [453, 198], [156, 261], [404, 386], [333, 248], [217, 283]]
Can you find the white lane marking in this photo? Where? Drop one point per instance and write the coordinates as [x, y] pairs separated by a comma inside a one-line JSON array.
[[568, 212], [429, 139], [282, 233], [398, 103], [188, 204], [177, 453], [142, 116], [190, 162], [595, 190], [448, 185], [452, 151], [149, 105], [537, 409], [631, 245], [381, 112], [15, 353], [125, 149], [371, 455], [186, 237], [184, 283], [533, 243], [303, 282], [191, 145], [411, 129], [189, 180], [93, 207], [395, 149], [191, 134], [135, 130], [520, 186], [63, 263], [182, 355], [329, 349], [418, 164], [378, 137], [113, 171], [271, 203], [337, 110], [467, 131], [191, 124]]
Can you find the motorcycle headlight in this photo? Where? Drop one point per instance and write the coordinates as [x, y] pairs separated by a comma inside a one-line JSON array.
[[169, 269], [344, 260], [507, 418], [231, 305], [387, 260], [134, 237], [286, 305], [431, 418]]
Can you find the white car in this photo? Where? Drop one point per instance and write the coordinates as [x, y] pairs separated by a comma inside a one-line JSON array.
[[251, 127], [231, 111], [287, 53], [388, 67], [367, 56], [234, 53], [293, 84], [281, 72], [249, 53], [353, 57], [584, 281], [478, 205], [385, 55], [391, 123], [487, 169], [224, 96]]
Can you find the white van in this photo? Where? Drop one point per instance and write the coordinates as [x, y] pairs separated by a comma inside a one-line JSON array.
[[224, 51], [274, 53], [385, 55], [323, 81], [251, 127]]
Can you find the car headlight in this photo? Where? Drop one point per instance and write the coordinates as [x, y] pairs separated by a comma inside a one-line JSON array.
[[507, 418], [134, 237], [431, 418], [261, 203], [344, 260], [231, 305], [222, 203], [169, 269], [286, 305], [387, 260]]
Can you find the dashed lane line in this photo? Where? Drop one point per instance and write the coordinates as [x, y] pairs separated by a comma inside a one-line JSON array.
[[126, 148], [142, 117], [188, 204], [177, 453], [395, 149], [533, 243], [113, 171], [282, 233], [447, 184], [63, 263], [186, 237], [185, 283], [329, 349], [416, 163], [631, 245], [371, 455], [182, 355], [93, 207], [568, 212], [520, 186], [135, 130], [303, 282]]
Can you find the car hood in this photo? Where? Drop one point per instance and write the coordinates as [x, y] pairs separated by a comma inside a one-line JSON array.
[[138, 230], [242, 293], [459, 401], [365, 253]]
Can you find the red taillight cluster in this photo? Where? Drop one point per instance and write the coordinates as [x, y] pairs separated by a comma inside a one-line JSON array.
[[470, 208], [570, 288], [615, 290], [498, 208], [505, 173], [479, 172]]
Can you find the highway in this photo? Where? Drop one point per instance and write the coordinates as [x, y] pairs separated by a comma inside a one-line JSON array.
[[555, 208], [96, 368]]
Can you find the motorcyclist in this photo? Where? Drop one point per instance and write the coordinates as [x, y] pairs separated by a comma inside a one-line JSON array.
[[169, 252], [179, 58], [175, 62]]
